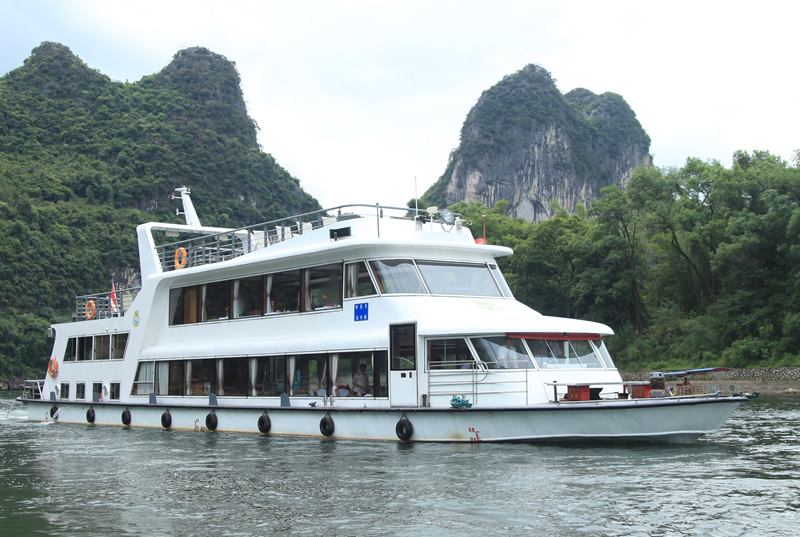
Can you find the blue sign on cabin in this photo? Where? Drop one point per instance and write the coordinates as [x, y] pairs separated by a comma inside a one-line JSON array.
[[361, 312]]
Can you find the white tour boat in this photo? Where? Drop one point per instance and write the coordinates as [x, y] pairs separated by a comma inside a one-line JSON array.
[[359, 322]]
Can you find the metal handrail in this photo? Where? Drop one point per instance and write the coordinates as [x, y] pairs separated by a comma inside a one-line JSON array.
[[103, 307], [225, 245], [34, 387], [438, 377]]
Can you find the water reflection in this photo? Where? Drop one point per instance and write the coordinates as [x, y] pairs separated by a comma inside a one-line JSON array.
[[69, 480]]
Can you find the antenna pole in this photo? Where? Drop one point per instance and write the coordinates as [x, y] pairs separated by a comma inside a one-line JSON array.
[[416, 201]]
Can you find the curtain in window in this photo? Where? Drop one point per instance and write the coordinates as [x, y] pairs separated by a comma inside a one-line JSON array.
[[268, 292], [238, 304], [253, 374], [305, 287], [352, 280], [188, 374], [163, 378], [290, 373], [335, 371], [220, 378]]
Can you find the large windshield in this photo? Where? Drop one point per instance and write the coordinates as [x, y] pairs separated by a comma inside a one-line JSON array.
[[397, 276], [458, 279], [559, 353], [502, 352]]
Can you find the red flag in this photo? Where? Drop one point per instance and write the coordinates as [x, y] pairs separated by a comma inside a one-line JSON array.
[[114, 306]]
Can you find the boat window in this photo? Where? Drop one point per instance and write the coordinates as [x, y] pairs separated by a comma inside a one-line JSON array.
[[283, 292], [357, 280], [84, 350], [380, 374], [170, 379], [397, 276], [101, 347], [248, 297], [556, 353], [502, 352], [114, 391], [216, 298], [69, 353], [202, 377], [600, 345], [143, 385], [235, 376], [351, 374], [450, 353], [97, 391], [118, 344], [184, 305], [403, 345], [501, 281], [64, 392], [322, 287], [360, 374], [297, 373], [80, 391], [582, 352], [270, 377], [458, 279]]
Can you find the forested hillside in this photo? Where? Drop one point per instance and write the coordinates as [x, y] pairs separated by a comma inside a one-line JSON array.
[[697, 266], [84, 159]]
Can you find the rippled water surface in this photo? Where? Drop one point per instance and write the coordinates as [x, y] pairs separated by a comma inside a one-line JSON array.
[[81, 480]]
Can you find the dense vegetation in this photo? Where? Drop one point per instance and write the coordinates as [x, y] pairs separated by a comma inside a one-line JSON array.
[[694, 266], [84, 159]]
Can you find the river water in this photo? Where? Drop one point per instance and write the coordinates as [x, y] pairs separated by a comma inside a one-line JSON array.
[[81, 480]]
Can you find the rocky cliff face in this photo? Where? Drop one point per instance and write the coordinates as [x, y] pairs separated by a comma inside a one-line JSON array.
[[527, 143]]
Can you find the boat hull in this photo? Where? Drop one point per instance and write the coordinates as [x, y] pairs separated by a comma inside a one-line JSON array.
[[662, 420]]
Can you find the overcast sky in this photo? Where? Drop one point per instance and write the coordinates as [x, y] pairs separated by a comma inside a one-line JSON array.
[[357, 98]]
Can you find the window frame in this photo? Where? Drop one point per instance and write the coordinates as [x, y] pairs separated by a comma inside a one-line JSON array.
[[456, 264], [475, 364]]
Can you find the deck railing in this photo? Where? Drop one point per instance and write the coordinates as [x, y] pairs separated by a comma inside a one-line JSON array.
[[480, 382], [216, 247], [102, 305], [33, 389]]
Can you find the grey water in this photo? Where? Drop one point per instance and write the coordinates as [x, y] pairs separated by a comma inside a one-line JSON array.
[[83, 480]]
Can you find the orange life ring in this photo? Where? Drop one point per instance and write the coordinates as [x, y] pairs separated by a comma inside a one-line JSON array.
[[181, 258], [90, 309], [52, 367]]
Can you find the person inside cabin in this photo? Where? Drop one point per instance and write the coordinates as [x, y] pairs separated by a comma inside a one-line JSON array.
[[360, 380]]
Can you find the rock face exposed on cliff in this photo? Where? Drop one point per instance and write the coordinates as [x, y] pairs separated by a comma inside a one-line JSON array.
[[527, 143]]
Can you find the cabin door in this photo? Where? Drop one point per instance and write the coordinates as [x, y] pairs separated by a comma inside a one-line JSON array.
[[403, 365]]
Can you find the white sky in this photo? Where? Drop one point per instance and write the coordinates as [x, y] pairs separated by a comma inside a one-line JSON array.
[[356, 98]]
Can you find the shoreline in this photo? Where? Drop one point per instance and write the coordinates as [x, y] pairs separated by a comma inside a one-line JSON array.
[[782, 381]]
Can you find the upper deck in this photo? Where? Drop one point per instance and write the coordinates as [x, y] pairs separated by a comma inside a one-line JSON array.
[[201, 248]]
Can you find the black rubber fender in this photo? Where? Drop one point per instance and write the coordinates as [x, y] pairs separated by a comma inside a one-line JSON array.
[[166, 419], [264, 423], [126, 417], [326, 425], [53, 411], [212, 421], [404, 429], [90, 415]]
